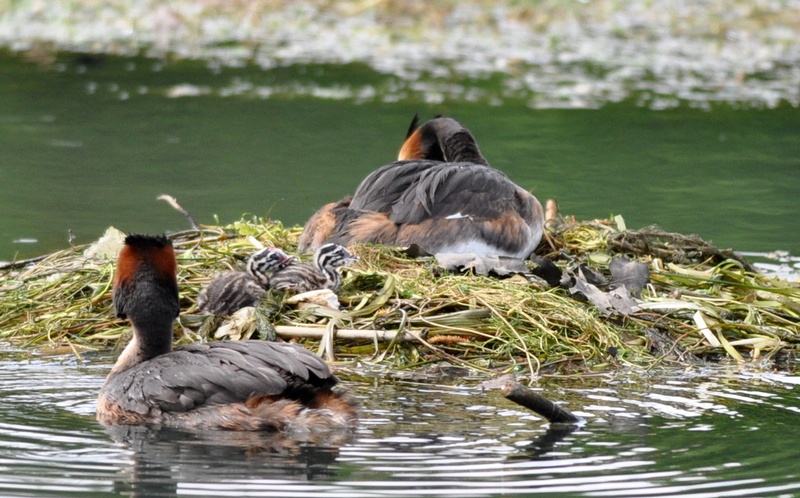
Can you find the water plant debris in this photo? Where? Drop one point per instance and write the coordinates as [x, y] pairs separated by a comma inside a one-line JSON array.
[[685, 301]]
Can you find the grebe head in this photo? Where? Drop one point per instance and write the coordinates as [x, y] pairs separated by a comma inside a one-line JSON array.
[[441, 139], [146, 291], [265, 262], [330, 256]]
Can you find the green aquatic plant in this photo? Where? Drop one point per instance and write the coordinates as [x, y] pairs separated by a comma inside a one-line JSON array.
[[700, 304]]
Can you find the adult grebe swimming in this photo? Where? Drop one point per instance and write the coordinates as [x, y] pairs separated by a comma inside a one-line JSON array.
[[441, 195], [239, 385]]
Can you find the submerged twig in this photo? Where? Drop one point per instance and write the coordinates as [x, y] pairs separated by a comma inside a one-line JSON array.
[[530, 399]]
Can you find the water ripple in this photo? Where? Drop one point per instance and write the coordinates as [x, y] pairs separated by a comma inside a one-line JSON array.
[[704, 433]]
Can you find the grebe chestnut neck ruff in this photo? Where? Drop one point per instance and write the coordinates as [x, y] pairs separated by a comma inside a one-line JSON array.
[[237, 385]]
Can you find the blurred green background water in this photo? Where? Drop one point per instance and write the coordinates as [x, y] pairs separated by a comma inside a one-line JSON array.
[[89, 142]]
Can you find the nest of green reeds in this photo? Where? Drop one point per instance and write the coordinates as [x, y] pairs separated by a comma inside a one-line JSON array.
[[700, 304]]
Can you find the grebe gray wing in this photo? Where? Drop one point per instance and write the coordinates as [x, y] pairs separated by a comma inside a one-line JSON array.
[[199, 375], [384, 186], [457, 190]]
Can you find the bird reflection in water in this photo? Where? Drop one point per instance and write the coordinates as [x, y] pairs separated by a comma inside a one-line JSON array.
[[166, 459]]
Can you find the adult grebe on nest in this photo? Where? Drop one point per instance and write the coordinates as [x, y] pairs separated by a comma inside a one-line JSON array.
[[238, 385], [441, 195]]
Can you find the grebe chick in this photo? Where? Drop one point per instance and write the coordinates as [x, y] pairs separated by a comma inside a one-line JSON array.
[[237, 385], [323, 274], [231, 291], [461, 205]]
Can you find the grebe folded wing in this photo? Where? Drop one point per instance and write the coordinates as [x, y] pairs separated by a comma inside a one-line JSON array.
[[220, 375], [466, 207], [289, 360], [450, 190], [442, 207], [384, 186], [217, 373]]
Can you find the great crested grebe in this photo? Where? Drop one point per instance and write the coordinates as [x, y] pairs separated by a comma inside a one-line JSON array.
[[441, 195], [237, 385], [323, 274], [231, 291]]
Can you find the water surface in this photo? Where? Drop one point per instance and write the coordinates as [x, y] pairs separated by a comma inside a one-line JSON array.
[[90, 141], [700, 432]]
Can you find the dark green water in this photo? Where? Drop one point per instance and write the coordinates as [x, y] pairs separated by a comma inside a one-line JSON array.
[[89, 143]]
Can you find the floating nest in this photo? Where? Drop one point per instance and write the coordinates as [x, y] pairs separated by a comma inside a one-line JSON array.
[[700, 303]]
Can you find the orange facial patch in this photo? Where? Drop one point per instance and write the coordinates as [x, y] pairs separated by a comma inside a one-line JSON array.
[[413, 147], [127, 264], [161, 258]]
